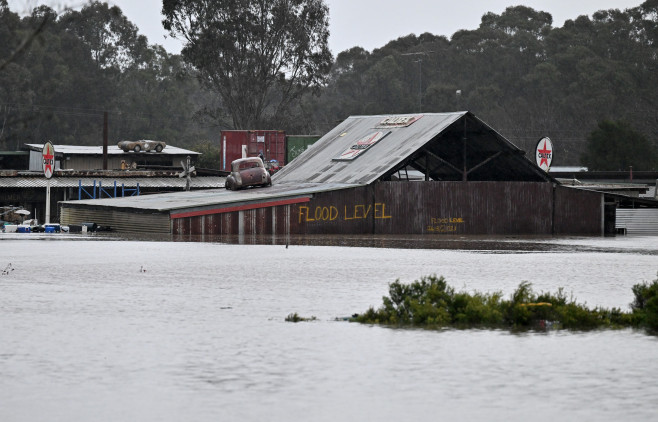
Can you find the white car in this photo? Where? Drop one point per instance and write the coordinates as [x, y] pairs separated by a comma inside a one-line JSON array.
[[142, 145]]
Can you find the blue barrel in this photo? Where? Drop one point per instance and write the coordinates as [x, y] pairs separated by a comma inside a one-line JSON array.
[[50, 229], [24, 229]]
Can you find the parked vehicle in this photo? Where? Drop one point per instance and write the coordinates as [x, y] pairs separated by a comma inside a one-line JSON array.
[[247, 172], [273, 166], [142, 145]]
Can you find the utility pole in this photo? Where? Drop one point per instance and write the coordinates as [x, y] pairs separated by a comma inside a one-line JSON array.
[[420, 84], [105, 140]]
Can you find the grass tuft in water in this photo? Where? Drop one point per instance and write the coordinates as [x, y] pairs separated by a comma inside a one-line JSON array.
[[431, 302], [294, 317]]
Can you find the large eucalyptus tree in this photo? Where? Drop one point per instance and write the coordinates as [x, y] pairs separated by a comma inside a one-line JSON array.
[[259, 56]]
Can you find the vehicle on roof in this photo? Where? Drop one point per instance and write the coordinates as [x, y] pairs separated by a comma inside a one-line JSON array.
[[273, 166], [142, 145], [247, 172]]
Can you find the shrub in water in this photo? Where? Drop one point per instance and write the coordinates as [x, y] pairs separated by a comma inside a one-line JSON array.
[[431, 302], [645, 305]]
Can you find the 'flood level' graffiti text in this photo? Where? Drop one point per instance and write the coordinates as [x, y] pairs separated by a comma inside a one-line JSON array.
[[332, 213]]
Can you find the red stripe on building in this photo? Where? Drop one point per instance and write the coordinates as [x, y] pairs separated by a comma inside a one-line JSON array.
[[241, 207]]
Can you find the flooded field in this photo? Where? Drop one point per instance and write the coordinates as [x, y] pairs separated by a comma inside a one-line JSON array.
[[105, 328]]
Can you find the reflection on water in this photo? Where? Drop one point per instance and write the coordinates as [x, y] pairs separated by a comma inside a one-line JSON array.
[[200, 335]]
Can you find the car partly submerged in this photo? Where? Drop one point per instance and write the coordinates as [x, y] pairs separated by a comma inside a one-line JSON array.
[[246, 172]]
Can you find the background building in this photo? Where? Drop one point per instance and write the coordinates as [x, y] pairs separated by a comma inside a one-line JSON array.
[[355, 180]]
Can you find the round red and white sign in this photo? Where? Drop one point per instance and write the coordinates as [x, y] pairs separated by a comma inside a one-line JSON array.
[[48, 155], [544, 153]]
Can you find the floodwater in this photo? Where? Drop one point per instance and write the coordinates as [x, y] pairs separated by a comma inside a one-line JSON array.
[[109, 329]]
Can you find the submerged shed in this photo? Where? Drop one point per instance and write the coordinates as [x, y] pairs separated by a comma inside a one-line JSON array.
[[356, 180]]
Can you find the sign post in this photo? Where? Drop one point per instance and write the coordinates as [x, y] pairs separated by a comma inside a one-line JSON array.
[[48, 155], [544, 153]]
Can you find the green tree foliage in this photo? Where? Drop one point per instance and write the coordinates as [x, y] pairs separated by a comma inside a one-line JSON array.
[[258, 56], [63, 71], [210, 155], [517, 72], [109, 36], [616, 146]]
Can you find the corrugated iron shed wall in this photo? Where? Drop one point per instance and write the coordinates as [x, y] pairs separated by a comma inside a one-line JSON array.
[[638, 221], [271, 220], [492, 208], [91, 157], [90, 162], [434, 208], [578, 211], [119, 220]]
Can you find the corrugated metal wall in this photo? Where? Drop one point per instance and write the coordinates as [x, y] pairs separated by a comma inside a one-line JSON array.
[[638, 221], [578, 211], [83, 162], [433, 208], [492, 208], [271, 220], [119, 220], [36, 161]]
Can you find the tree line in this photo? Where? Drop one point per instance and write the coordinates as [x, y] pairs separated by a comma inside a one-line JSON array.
[[79, 64], [516, 71]]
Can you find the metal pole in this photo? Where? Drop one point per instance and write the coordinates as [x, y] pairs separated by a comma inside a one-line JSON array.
[[420, 85], [105, 140], [47, 201], [465, 173]]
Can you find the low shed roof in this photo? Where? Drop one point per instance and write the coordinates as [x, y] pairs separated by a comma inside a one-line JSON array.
[[111, 150], [210, 198], [24, 182]]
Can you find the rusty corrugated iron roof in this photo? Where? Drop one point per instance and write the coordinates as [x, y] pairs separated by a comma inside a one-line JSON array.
[[433, 140], [430, 142], [180, 201]]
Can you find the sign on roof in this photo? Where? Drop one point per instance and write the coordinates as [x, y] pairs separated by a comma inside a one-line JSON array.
[[48, 154], [361, 146], [544, 153], [398, 121]]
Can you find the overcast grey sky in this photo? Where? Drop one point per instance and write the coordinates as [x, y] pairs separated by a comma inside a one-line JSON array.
[[371, 23]]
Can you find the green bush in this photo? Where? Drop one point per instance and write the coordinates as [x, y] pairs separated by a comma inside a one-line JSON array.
[[431, 302], [645, 305]]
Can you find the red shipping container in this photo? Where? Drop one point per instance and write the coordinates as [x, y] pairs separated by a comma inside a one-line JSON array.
[[236, 144]]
